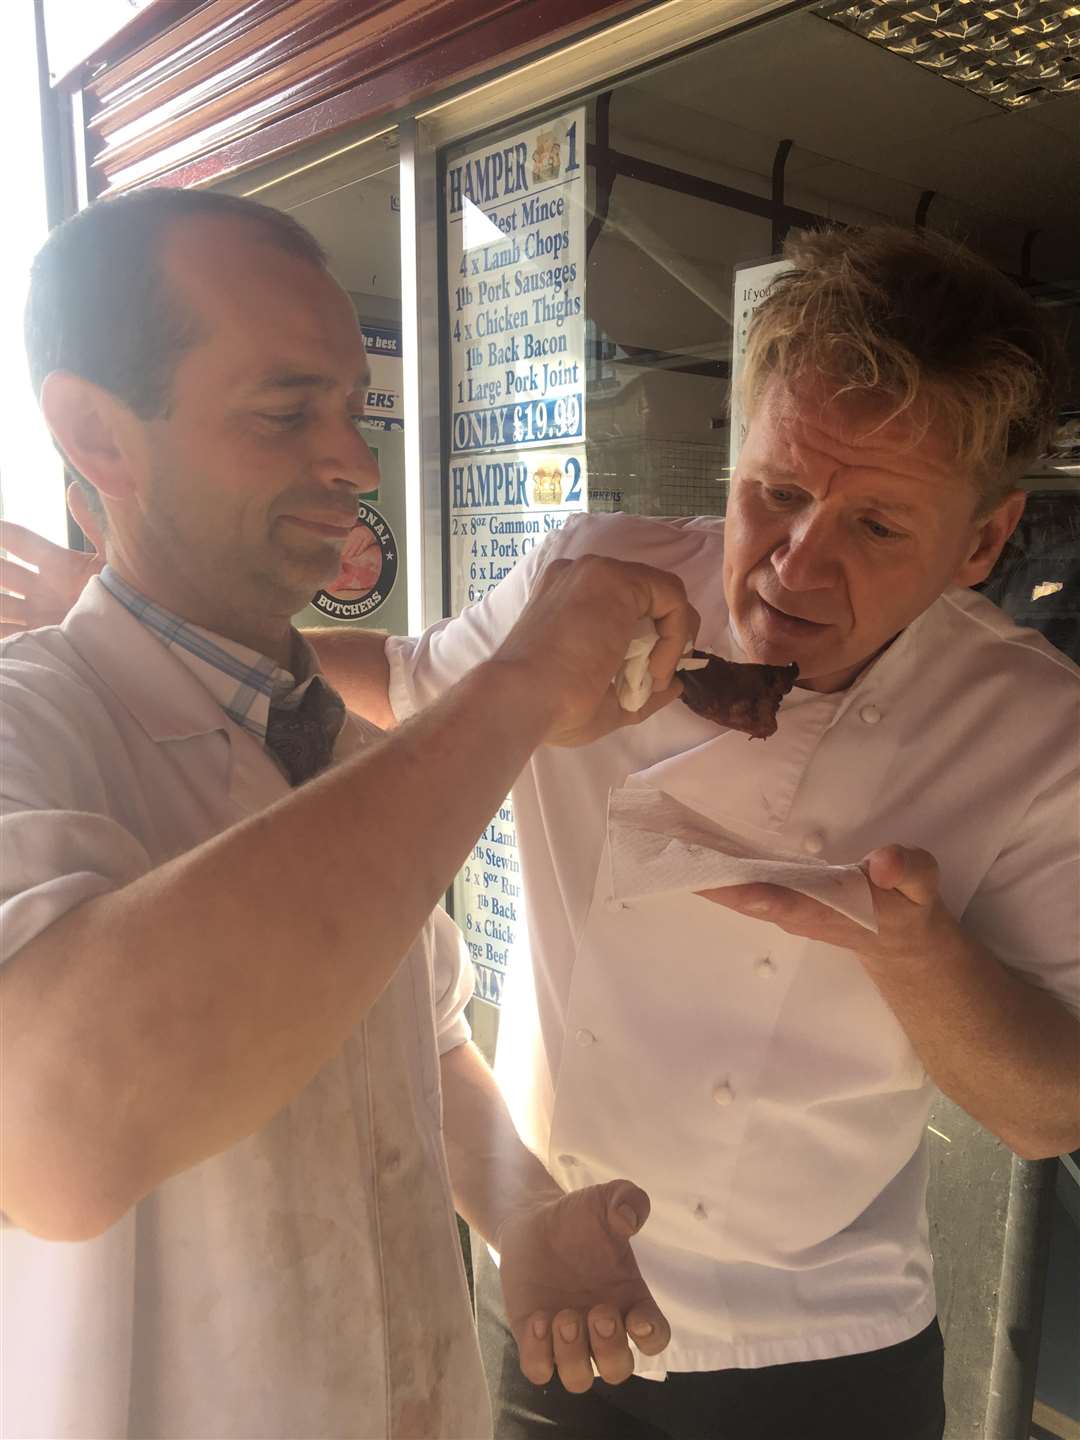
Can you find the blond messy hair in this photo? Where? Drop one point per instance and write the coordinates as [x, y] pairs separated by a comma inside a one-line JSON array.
[[923, 323]]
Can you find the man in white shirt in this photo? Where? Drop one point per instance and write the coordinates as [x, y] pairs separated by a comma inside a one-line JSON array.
[[766, 1066], [231, 1021]]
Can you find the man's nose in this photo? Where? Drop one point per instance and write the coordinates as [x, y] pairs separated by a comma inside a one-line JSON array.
[[807, 557], [345, 456]]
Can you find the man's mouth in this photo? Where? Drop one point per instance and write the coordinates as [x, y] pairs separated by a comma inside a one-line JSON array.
[[333, 529], [785, 618]]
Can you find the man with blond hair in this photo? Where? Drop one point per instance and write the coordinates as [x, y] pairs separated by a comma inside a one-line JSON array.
[[764, 1064]]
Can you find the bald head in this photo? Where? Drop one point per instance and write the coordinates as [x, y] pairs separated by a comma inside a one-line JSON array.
[[101, 305]]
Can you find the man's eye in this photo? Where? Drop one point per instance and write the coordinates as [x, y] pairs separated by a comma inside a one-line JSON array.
[[284, 419], [881, 532], [779, 496]]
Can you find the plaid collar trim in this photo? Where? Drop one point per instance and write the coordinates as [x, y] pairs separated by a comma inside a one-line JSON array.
[[242, 681]]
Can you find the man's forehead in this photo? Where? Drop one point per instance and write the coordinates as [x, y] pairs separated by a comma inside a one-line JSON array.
[[285, 374], [277, 312], [856, 428], [225, 263]]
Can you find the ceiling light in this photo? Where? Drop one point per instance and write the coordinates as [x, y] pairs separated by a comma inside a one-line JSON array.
[[1013, 52]]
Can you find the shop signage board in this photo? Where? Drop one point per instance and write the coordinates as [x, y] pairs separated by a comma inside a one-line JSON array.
[[516, 286], [502, 507], [516, 225], [367, 570], [751, 285], [384, 407]]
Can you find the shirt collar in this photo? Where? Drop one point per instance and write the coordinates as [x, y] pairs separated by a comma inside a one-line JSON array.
[[242, 681]]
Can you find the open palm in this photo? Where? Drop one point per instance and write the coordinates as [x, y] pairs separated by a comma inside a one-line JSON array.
[[572, 1287], [30, 598]]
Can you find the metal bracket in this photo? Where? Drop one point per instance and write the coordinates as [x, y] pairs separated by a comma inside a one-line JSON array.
[[780, 223]]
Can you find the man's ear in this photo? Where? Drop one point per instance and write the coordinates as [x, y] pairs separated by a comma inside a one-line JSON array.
[[94, 430], [988, 539], [87, 514]]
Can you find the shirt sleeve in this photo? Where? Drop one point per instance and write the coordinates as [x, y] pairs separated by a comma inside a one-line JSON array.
[[57, 848], [422, 669], [1027, 909], [452, 983]]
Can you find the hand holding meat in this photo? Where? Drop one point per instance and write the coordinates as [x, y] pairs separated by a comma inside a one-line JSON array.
[[569, 642], [572, 1286], [735, 696]]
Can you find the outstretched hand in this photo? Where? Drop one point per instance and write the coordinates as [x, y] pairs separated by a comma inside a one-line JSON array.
[[913, 924], [572, 1286], [43, 595]]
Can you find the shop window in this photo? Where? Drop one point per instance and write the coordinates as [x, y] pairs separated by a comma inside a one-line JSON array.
[[693, 174]]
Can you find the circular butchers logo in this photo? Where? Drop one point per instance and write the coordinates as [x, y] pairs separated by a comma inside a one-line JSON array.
[[368, 569]]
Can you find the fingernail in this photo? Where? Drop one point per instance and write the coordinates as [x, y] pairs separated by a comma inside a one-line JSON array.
[[604, 1326], [539, 1327], [641, 1327], [628, 1214], [757, 907], [569, 1330]]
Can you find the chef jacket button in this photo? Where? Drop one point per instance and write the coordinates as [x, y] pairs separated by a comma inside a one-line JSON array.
[[700, 1213], [614, 905], [723, 1094], [869, 714], [814, 843], [585, 1037], [568, 1161], [764, 968]]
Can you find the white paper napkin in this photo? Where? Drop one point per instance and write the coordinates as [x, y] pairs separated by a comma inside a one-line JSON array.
[[659, 846], [634, 682]]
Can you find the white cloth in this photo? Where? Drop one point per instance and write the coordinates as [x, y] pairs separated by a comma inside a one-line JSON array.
[[660, 847], [756, 1084], [307, 1281]]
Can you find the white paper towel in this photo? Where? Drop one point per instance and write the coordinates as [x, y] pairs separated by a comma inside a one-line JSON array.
[[634, 682], [659, 846]]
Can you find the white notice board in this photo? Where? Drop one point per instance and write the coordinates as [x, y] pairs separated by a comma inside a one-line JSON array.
[[751, 285], [515, 224]]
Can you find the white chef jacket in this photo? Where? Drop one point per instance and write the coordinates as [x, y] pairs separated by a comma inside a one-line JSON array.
[[756, 1084], [308, 1281]]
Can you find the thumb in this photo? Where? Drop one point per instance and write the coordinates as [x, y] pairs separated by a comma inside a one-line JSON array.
[[627, 1207], [912, 873]]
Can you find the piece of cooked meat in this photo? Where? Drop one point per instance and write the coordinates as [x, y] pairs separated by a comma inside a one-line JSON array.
[[739, 697]]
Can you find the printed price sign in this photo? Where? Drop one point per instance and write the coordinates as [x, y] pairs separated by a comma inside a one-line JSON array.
[[488, 902], [516, 273], [503, 506], [516, 285]]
